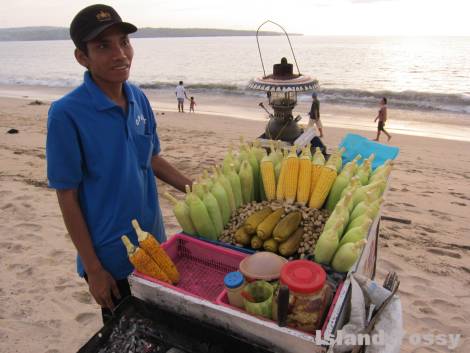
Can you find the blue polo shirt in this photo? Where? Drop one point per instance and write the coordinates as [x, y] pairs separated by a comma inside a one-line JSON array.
[[95, 147]]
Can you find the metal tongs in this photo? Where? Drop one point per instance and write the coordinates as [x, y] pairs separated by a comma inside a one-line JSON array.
[[391, 283]]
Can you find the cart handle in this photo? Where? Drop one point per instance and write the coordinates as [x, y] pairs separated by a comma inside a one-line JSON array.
[[259, 48]]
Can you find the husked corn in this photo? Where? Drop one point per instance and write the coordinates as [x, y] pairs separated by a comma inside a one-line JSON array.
[[292, 175], [152, 247], [142, 262], [269, 178], [325, 182]]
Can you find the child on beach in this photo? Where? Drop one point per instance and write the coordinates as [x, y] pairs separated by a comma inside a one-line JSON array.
[[382, 117], [192, 104]]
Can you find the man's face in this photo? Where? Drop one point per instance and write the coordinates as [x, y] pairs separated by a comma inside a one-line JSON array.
[[109, 56]]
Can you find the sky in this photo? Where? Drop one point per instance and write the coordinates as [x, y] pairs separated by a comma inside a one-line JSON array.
[[309, 17]]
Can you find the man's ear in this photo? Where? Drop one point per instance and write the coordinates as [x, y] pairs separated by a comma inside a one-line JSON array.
[[81, 57]]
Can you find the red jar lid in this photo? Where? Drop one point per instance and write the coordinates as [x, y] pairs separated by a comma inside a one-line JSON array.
[[303, 276]]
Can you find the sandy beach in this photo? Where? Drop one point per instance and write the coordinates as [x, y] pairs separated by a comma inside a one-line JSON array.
[[46, 307]]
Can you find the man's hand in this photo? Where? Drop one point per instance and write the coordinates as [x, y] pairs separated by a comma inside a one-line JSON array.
[[102, 287]]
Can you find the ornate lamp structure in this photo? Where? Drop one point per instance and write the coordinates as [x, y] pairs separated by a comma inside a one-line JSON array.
[[281, 88]]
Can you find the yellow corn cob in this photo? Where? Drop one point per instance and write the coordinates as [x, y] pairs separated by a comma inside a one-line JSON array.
[[269, 178], [292, 175], [142, 262], [315, 175], [305, 175], [325, 182], [151, 246], [280, 192]]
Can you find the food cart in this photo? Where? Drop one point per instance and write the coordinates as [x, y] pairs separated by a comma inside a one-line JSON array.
[[194, 315], [259, 331]]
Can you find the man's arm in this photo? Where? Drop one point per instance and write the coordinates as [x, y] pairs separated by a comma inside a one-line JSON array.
[[166, 172], [101, 283]]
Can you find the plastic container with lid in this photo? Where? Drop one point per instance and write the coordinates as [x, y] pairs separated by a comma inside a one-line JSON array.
[[306, 283], [235, 282]]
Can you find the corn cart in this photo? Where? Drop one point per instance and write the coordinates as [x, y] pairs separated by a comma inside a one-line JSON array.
[[195, 315]]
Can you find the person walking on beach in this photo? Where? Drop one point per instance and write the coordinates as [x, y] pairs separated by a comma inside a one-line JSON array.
[[192, 104], [382, 118], [103, 154], [180, 93], [315, 114]]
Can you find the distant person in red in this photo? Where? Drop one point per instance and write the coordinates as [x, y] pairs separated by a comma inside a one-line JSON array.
[[382, 118], [192, 104]]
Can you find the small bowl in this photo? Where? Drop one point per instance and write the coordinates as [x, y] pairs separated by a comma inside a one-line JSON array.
[[262, 292], [262, 266]]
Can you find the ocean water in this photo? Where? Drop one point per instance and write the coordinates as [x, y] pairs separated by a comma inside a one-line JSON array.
[[417, 73]]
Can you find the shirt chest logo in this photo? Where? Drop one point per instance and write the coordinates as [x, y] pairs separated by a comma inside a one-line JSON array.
[[140, 119]]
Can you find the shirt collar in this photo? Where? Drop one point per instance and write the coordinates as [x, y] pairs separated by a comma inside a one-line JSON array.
[[100, 100]]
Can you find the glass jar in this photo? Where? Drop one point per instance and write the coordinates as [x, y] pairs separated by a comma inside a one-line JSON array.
[[234, 283], [307, 300]]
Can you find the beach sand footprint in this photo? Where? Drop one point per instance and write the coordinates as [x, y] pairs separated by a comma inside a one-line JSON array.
[[83, 297], [86, 318], [460, 196], [406, 204], [32, 227], [441, 215], [428, 229], [443, 252], [419, 280]]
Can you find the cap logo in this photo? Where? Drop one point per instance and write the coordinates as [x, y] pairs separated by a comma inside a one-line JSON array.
[[103, 16]]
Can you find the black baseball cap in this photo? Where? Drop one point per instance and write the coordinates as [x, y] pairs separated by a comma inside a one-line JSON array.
[[94, 19]]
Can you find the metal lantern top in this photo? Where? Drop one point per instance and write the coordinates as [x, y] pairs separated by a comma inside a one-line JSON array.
[[283, 78]]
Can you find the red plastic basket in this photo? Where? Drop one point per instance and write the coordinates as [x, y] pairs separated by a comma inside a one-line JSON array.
[[202, 266]]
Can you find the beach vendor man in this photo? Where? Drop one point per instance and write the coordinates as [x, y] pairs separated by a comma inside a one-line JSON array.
[[103, 154]]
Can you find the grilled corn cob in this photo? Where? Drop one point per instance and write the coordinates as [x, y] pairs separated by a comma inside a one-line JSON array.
[[152, 247], [142, 261], [266, 227], [255, 219], [287, 226]]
